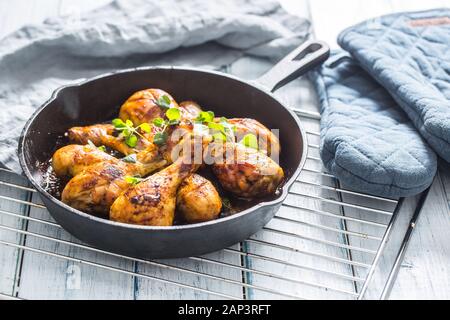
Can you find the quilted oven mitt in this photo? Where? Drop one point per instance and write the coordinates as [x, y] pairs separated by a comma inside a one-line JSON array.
[[367, 141], [409, 55]]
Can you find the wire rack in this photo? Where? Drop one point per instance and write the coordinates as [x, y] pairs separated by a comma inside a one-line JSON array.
[[326, 242]]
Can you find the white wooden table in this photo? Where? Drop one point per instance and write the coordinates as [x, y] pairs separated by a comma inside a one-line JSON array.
[[423, 274]]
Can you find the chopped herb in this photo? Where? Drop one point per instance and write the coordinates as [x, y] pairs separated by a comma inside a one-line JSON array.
[[250, 141], [205, 116], [133, 180], [102, 148], [159, 122], [164, 102], [145, 127], [216, 127], [174, 116], [130, 159], [219, 136], [129, 132], [160, 138], [131, 140], [119, 124]]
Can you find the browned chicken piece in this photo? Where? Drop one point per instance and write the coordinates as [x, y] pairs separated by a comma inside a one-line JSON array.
[[267, 141], [190, 110], [142, 106], [103, 135], [198, 200], [246, 172], [95, 188], [152, 202], [73, 159]]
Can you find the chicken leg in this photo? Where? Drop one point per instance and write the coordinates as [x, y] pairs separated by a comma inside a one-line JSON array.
[[95, 188]]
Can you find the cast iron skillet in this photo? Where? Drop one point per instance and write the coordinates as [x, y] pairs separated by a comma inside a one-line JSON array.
[[99, 99]]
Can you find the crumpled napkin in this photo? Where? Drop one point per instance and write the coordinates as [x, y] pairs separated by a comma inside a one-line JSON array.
[[36, 60]]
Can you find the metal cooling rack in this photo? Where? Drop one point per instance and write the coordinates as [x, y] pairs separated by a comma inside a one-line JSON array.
[[322, 244]]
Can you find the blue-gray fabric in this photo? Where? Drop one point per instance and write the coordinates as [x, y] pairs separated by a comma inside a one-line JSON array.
[[409, 55], [37, 59], [367, 141]]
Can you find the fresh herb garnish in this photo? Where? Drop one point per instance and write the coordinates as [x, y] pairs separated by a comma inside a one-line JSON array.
[[133, 180], [160, 138], [225, 129], [226, 203], [250, 141], [219, 136], [130, 133], [164, 102], [145, 127], [159, 122], [205, 117], [101, 148], [132, 158], [174, 116]]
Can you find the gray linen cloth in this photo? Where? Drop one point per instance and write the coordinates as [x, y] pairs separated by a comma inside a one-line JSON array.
[[36, 60]]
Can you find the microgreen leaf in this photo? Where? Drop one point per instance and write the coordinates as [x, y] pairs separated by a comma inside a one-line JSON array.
[[133, 180], [132, 158], [160, 138], [159, 122], [250, 141], [205, 116], [131, 140], [226, 203], [164, 102], [145, 127], [173, 114], [118, 124], [216, 127], [219, 136]]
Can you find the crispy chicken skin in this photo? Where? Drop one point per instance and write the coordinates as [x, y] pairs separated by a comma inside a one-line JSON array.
[[246, 172], [95, 188], [73, 159], [198, 200], [141, 107], [267, 141], [152, 202]]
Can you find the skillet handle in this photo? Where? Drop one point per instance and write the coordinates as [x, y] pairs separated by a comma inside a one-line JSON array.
[[303, 59]]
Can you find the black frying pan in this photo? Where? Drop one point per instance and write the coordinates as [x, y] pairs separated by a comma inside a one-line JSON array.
[[99, 99]]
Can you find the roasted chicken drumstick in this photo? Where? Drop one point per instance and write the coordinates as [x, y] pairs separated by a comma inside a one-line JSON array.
[[198, 200], [247, 172], [94, 189], [152, 202]]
